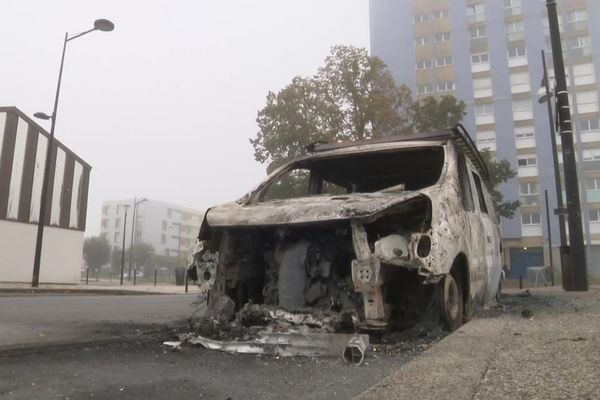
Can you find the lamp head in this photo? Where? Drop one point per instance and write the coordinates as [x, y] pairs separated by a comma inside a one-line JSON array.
[[42, 115], [103, 25]]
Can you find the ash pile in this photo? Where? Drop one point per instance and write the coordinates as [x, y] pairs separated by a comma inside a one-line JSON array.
[[270, 330]]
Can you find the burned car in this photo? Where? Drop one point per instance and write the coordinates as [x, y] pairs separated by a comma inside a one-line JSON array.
[[385, 228]]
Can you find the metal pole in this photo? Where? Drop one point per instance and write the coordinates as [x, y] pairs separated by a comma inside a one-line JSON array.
[[131, 241], [42, 215], [562, 230], [87, 275], [123, 249], [154, 276], [578, 267], [134, 276], [549, 239]]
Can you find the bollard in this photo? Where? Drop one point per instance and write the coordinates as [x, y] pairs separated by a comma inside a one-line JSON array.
[[87, 275], [155, 276], [134, 276], [186, 282], [520, 281]]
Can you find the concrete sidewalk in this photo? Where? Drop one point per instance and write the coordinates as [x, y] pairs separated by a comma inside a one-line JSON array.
[[543, 346], [101, 287]]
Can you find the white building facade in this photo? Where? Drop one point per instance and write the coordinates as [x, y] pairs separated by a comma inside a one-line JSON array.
[[23, 149], [169, 228]]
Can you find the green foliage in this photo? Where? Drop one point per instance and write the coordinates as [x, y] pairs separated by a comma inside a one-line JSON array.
[[353, 96], [141, 254], [500, 172], [96, 251], [432, 113], [115, 259]]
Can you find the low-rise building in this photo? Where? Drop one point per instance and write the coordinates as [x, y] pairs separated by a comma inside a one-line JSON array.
[[23, 148]]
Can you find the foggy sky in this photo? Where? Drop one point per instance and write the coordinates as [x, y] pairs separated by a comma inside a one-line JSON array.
[[163, 106]]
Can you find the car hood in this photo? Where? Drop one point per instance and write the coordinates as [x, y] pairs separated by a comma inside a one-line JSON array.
[[306, 209]]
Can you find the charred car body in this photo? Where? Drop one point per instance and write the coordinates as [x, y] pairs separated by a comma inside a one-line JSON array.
[[383, 228]]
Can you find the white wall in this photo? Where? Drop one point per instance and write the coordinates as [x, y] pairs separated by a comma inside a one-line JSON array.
[[61, 253]]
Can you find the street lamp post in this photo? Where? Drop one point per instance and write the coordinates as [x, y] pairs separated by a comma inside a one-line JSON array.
[[578, 269], [564, 251], [124, 234], [135, 204], [99, 25]]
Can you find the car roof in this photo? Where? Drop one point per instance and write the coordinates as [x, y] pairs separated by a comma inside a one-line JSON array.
[[458, 134]]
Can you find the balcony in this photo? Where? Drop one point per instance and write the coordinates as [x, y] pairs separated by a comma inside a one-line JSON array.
[[522, 115], [592, 196], [482, 92], [531, 230], [484, 119], [520, 88], [481, 67], [517, 61], [525, 143], [525, 172]]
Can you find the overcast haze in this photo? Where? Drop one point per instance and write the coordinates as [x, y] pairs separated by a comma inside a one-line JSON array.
[[163, 106]]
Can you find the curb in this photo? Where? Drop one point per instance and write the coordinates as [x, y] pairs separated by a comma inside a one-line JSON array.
[[82, 291]]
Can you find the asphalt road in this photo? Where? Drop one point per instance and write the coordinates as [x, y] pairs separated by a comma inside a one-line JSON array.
[[148, 371], [41, 319]]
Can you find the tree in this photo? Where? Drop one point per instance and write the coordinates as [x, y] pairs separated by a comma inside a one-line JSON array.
[[443, 113], [115, 259], [353, 96], [96, 251], [141, 254], [499, 172]]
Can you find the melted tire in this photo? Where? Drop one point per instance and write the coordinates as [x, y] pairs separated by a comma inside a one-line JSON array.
[[451, 306]]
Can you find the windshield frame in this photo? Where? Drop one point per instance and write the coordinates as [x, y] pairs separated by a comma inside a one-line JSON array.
[[257, 195]]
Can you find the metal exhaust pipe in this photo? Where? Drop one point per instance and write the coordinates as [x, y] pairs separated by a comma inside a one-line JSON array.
[[355, 350]]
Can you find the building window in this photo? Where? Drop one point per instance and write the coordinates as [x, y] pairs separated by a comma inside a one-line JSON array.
[[517, 51], [480, 58], [577, 15], [484, 109], [422, 41], [512, 3], [477, 33], [530, 218], [443, 61], [445, 86], [418, 18], [167, 252], [587, 125], [591, 155], [440, 14], [476, 12], [105, 209], [169, 212], [529, 193], [592, 183], [117, 222], [117, 236], [521, 105], [423, 89], [594, 215], [515, 26], [527, 161], [164, 225], [424, 64], [163, 239], [579, 42], [442, 37]]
